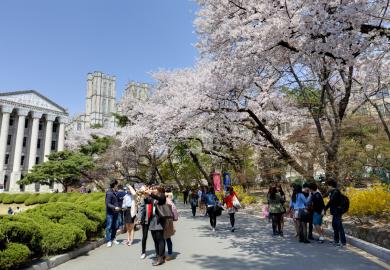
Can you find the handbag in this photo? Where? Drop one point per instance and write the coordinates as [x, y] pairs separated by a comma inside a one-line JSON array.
[[236, 202], [218, 210], [164, 211]]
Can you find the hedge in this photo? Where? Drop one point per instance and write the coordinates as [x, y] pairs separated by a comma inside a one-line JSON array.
[[8, 198], [21, 198], [50, 228], [14, 256]]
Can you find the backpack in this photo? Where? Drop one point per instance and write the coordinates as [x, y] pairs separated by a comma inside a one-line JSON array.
[[344, 203]]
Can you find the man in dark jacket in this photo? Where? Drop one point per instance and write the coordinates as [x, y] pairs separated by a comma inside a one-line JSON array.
[[112, 210], [335, 205]]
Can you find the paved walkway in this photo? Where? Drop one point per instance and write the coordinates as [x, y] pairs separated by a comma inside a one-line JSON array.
[[250, 247]]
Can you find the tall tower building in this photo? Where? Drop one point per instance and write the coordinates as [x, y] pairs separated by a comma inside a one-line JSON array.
[[100, 101], [138, 91]]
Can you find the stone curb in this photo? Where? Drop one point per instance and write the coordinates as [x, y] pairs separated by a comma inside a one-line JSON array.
[[60, 259], [378, 251], [375, 250]]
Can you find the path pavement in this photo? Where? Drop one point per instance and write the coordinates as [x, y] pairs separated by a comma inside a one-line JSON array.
[[250, 247]]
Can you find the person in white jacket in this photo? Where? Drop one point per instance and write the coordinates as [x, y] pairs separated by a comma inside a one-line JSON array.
[[130, 210]]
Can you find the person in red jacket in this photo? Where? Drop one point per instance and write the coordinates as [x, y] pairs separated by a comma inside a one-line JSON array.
[[228, 200]]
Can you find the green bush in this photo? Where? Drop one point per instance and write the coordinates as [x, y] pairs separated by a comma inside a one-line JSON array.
[[3, 240], [59, 238], [21, 198], [55, 197], [8, 198], [14, 256], [44, 198], [24, 233], [2, 196], [31, 200]]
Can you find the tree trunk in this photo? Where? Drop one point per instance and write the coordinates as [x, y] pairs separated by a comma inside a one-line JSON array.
[[174, 172], [196, 161]]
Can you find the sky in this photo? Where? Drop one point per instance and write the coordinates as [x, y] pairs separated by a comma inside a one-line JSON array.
[[51, 45]]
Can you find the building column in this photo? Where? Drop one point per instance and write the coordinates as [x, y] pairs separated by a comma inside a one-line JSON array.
[[6, 111], [48, 139], [16, 170], [33, 145], [61, 134]]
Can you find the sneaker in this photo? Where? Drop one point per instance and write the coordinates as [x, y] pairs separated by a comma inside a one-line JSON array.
[[143, 256], [109, 244], [233, 229], [213, 229], [169, 257], [321, 240], [311, 238], [281, 234], [129, 243], [116, 242], [306, 242]]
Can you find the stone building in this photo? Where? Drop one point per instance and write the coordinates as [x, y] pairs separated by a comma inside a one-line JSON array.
[[32, 126], [101, 104]]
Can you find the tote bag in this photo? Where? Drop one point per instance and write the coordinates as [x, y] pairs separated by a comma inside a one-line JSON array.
[[164, 211]]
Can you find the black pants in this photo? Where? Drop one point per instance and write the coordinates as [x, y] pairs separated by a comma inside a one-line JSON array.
[[277, 223], [232, 219], [338, 229], [311, 225], [303, 231], [159, 242], [145, 231], [185, 199], [193, 208], [213, 217]]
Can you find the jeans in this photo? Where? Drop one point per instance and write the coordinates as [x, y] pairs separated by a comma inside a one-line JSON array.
[[170, 246], [213, 217], [232, 219], [338, 230], [159, 242], [119, 221], [111, 220], [145, 231], [302, 231], [193, 208]]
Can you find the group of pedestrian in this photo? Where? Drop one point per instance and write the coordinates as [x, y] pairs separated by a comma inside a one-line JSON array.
[[157, 213], [209, 204], [307, 208], [11, 211]]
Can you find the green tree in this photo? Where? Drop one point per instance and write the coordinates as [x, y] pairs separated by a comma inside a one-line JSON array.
[[66, 168]]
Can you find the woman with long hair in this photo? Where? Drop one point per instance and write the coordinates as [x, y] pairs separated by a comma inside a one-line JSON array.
[[228, 200], [298, 203], [169, 229], [129, 213], [276, 209]]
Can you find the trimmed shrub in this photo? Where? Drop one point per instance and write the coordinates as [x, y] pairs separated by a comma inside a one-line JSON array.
[[31, 200], [21, 198], [2, 196], [24, 233], [14, 256], [8, 198], [55, 197], [43, 198], [59, 238]]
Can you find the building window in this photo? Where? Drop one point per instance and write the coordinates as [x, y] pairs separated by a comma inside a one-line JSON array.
[[9, 139], [53, 145], [39, 144], [6, 159], [22, 161], [40, 125], [54, 128], [11, 122], [37, 160], [26, 123], [24, 141]]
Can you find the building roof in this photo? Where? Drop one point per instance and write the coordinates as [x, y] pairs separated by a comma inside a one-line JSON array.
[[6, 95]]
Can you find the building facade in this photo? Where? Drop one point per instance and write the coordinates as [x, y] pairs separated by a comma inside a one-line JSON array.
[[101, 104], [31, 127]]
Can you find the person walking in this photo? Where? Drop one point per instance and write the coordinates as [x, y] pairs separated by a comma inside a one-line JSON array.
[[120, 194], [194, 202], [112, 210], [211, 202], [335, 206], [129, 210], [157, 224], [276, 209], [318, 205], [231, 209], [186, 192]]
